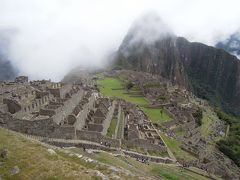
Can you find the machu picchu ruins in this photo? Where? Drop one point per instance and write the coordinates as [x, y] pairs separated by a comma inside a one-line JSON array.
[[119, 90], [79, 114]]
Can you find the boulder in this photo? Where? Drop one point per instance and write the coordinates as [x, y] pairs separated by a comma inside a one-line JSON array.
[[15, 170]]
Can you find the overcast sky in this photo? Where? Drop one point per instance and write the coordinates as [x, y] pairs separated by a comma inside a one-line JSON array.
[[53, 36]]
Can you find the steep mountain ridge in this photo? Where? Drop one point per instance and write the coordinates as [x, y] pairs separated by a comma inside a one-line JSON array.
[[210, 73]]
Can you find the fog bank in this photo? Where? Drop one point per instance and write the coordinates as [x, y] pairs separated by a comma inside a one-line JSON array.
[[53, 36]]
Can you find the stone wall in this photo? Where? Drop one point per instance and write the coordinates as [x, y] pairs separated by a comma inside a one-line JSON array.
[[60, 92], [79, 145], [67, 107], [13, 105], [95, 127], [3, 108], [36, 104], [96, 137], [42, 127], [82, 115], [144, 144], [149, 158], [107, 121], [47, 112]]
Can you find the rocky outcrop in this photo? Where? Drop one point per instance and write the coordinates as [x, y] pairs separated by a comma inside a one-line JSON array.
[[210, 73]]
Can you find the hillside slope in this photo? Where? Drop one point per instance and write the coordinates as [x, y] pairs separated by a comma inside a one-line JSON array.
[[30, 159]]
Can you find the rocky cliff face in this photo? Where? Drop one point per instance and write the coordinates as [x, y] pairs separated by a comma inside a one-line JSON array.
[[210, 73]]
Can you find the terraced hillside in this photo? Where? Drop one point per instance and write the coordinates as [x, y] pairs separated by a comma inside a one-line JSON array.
[[29, 159], [187, 125]]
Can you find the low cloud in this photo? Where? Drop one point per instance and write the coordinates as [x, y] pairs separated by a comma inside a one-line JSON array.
[[52, 37]]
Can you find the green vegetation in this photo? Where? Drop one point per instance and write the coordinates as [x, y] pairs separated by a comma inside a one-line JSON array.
[[207, 119], [120, 127], [174, 146], [157, 116], [114, 87], [231, 145], [160, 170], [34, 160], [112, 127]]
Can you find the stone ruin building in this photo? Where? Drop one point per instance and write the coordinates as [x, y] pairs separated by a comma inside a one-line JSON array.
[[54, 110], [139, 130]]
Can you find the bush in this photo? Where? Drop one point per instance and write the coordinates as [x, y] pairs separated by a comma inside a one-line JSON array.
[[231, 145], [129, 85]]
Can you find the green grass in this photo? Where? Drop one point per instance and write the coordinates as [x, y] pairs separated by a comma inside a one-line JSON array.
[[153, 169], [156, 116], [112, 127], [208, 118], [35, 162], [108, 85], [173, 173], [120, 127], [174, 146], [108, 88]]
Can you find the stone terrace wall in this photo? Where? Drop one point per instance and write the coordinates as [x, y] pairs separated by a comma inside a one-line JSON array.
[[144, 144], [82, 115], [150, 158], [44, 127], [87, 145], [96, 137], [68, 107]]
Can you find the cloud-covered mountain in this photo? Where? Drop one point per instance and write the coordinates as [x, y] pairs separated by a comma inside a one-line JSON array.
[[209, 72]]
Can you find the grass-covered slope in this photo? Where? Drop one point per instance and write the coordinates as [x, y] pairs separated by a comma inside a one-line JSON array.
[[34, 161], [114, 87]]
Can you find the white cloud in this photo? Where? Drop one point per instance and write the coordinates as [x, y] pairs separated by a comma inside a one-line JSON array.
[[54, 36]]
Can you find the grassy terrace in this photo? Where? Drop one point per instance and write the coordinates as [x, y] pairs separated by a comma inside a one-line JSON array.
[[174, 145], [112, 127], [156, 115], [114, 87]]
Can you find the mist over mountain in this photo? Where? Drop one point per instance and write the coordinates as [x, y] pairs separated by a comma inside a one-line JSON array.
[[7, 70], [231, 44], [210, 73], [59, 35]]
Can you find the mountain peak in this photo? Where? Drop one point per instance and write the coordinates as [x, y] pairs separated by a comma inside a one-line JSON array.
[[147, 29]]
